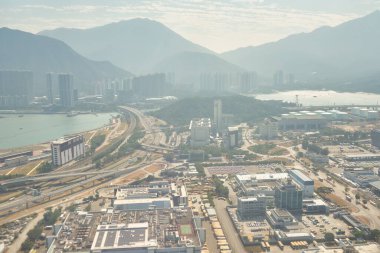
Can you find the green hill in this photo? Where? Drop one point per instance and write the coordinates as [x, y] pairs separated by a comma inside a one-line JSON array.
[[244, 109]]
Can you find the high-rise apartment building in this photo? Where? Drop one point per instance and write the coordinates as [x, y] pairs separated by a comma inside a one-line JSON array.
[[218, 115], [66, 150], [49, 88], [278, 78], [66, 90]]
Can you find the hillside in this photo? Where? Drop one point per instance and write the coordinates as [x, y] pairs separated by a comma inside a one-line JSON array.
[[189, 65], [244, 109], [137, 44], [346, 54], [40, 54]]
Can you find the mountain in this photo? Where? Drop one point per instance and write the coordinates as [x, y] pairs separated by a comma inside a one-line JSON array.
[[189, 65], [137, 44], [345, 54], [40, 54]]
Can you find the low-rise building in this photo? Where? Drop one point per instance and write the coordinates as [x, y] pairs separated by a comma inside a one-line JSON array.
[[142, 204], [315, 206], [280, 218]]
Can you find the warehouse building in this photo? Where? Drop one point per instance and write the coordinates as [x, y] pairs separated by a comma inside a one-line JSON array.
[[304, 182], [301, 122], [142, 204]]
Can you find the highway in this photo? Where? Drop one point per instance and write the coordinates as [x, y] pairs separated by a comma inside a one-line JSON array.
[[114, 170]]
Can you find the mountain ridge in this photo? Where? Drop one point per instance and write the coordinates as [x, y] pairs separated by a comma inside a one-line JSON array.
[[41, 54]]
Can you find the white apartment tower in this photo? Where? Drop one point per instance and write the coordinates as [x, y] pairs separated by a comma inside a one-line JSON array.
[[66, 150]]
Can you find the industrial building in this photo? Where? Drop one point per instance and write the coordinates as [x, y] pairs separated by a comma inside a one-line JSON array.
[[200, 132], [151, 231], [65, 150], [251, 207], [315, 206], [287, 238], [16, 88], [362, 157], [361, 176], [288, 196], [301, 122], [281, 218], [304, 182], [142, 204]]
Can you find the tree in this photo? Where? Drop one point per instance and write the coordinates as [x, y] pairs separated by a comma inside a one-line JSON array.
[[88, 207], [365, 201], [347, 189], [329, 237], [357, 196], [27, 245]]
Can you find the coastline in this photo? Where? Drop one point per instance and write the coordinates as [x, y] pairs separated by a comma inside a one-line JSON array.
[[40, 145]]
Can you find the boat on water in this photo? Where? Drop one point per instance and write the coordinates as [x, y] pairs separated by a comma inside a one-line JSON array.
[[72, 114]]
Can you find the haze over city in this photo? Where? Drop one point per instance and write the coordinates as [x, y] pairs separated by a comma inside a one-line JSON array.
[[189, 126]]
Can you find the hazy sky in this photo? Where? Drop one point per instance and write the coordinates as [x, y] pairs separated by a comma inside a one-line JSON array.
[[218, 25]]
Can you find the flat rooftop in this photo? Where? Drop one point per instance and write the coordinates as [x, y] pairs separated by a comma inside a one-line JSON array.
[[264, 176], [121, 236], [302, 176], [202, 122]]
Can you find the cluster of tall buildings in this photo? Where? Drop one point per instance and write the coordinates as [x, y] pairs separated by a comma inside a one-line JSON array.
[[280, 79], [16, 88], [219, 82], [63, 84], [145, 86]]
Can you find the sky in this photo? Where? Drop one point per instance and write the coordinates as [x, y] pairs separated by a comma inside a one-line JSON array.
[[215, 24]]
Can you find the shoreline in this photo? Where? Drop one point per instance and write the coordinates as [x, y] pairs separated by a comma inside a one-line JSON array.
[[38, 146]]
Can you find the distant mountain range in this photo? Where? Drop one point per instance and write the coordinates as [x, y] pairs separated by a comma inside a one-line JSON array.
[[348, 53], [344, 57], [40, 54], [137, 45]]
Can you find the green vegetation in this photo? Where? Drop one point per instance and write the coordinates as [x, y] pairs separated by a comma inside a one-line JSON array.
[[329, 237], [262, 148], [200, 169], [244, 109], [144, 181], [106, 156], [216, 151], [50, 217], [314, 148], [96, 141], [45, 167], [372, 235], [220, 189]]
